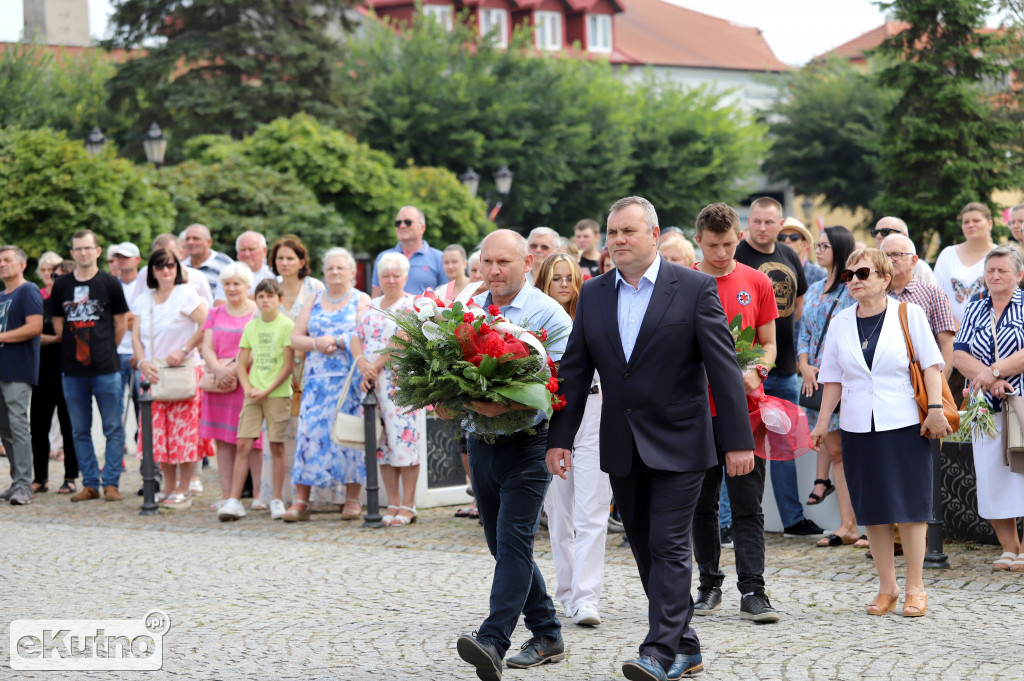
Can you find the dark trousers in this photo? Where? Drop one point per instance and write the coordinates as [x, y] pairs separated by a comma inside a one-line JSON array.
[[745, 493], [657, 513], [47, 396], [510, 479]]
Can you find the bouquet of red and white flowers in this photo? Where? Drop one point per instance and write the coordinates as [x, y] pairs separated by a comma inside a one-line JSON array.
[[449, 356]]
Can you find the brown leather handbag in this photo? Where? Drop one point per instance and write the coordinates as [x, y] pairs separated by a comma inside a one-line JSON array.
[[949, 409]]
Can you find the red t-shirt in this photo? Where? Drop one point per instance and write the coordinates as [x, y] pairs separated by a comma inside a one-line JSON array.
[[749, 293]]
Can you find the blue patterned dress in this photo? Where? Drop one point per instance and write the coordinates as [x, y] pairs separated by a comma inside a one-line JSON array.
[[817, 303], [318, 461]]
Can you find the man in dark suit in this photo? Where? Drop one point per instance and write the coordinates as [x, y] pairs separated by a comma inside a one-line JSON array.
[[657, 335]]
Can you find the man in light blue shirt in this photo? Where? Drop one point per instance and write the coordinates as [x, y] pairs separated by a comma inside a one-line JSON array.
[[426, 266], [510, 480]]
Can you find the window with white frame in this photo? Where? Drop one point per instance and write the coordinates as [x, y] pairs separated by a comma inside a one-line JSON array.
[[495, 21], [442, 14], [548, 27], [599, 32]]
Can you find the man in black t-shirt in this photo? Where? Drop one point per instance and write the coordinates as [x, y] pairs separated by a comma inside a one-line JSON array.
[[587, 238], [90, 316], [761, 250]]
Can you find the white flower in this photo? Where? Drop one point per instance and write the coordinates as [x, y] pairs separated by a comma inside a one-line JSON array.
[[427, 309]]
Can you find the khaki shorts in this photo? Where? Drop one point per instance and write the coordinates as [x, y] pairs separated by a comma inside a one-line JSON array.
[[275, 410]]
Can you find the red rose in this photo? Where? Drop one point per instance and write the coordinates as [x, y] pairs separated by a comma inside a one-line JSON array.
[[484, 327], [558, 402], [494, 310], [543, 335], [553, 384], [468, 318], [509, 337]]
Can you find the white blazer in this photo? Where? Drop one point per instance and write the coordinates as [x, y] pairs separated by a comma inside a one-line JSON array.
[[884, 391]]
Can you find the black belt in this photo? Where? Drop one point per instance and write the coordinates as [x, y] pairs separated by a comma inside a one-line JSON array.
[[520, 435], [595, 389]]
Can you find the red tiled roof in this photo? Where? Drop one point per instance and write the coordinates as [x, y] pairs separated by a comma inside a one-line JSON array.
[[60, 51], [660, 33], [855, 49]]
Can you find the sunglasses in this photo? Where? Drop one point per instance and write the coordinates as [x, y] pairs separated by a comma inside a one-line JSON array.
[[796, 236], [846, 276], [165, 266], [407, 222], [884, 232]]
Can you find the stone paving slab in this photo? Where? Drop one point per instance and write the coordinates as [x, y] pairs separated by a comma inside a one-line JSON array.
[[257, 599]]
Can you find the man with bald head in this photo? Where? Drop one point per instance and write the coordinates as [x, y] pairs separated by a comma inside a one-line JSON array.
[[510, 479], [893, 225], [426, 264], [251, 249], [201, 256]]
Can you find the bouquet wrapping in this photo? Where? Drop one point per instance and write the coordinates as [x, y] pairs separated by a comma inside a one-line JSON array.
[[451, 355], [975, 418]]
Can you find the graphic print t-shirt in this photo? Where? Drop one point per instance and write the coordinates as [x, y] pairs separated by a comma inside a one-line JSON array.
[[19, 362], [88, 347], [786, 272], [266, 341]]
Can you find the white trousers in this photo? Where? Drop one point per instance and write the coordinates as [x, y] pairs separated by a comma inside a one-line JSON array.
[[577, 509]]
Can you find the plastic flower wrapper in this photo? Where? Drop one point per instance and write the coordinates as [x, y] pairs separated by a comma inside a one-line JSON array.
[[975, 419], [780, 428], [451, 356]]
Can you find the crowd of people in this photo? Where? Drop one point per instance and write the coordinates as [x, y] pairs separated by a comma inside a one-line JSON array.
[[251, 359]]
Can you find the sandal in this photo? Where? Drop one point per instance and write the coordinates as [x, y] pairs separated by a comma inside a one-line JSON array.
[[465, 510], [1004, 562], [68, 487], [294, 515], [862, 542], [474, 513], [883, 604], [391, 516], [834, 540], [403, 520], [814, 499], [1018, 563], [915, 605], [352, 510], [38, 487]]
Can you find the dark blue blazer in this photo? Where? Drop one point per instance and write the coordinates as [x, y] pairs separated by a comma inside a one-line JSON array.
[[659, 399]]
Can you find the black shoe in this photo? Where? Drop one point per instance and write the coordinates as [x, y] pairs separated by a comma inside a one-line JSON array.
[[756, 607], [804, 528], [537, 651], [644, 668], [708, 601], [726, 535], [482, 654], [685, 666]]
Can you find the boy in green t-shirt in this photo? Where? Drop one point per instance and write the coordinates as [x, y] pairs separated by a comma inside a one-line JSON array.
[[265, 362]]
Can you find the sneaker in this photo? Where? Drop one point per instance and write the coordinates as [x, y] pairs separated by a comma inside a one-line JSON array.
[[22, 496], [276, 509], [482, 654], [231, 510], [587, 616], [757, 608], [804, 528], [537, 651], [195, 486], [708, 600], [726, 535], [6, 495], [615, 525]]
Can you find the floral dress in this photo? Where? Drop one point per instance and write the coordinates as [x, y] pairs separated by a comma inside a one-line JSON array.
[[817, 304], [318, 461], [403, 430]]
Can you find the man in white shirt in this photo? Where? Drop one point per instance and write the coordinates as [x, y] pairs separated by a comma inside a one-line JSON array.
[[201, 256], [124, 264], [251, 249]]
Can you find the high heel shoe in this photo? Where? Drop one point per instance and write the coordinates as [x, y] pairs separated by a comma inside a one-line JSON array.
[[294, 515], [915, 605], [882, 605]]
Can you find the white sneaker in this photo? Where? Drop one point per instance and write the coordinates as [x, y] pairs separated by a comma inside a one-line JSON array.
[[587, 615], [231, 510], [276, 509]]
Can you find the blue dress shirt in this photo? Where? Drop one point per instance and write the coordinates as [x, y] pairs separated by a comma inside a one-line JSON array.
[[633, 304]]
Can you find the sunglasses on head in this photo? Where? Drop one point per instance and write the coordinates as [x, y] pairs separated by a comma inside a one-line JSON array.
[[846, 276], [407, 222], [884, 232], [795, 236], [165, 266]]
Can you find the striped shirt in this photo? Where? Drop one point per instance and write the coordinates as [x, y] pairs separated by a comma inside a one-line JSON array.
[[975, 336], [633, 304], [934, 301]]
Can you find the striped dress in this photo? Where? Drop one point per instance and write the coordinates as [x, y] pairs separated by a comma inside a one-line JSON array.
[[219, 419]]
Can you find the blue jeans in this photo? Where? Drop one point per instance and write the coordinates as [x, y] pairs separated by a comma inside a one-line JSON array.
[[109, 393], [510, 481], [724, 507], [783, 473], [128, 379]]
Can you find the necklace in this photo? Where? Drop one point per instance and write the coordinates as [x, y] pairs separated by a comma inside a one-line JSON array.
[[328, 297], [864, 345]]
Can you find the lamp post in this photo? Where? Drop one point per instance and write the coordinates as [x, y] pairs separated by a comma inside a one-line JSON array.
[[154, 142], [502, 184], [94, 142], [807, 205], [471, 180]]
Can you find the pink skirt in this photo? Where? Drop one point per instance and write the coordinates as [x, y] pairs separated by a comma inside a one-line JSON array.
[[219, 417]]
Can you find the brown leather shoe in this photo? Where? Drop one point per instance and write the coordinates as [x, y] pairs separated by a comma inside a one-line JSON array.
[[86, 494], [110, 493]]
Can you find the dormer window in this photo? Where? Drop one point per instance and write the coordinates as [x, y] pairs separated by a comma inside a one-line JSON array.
[[548, 27], [599, 32], [442, 14], [494, 22]]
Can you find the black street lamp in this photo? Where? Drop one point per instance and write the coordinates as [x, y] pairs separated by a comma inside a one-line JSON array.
[[154, 142], [471, 180], [503, 180], [94, 142], [807, 206], [502, 184]]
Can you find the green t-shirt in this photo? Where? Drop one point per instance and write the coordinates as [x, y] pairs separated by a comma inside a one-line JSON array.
[[266, 341]]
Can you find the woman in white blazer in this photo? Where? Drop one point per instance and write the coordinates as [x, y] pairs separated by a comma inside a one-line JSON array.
[[865, 366]]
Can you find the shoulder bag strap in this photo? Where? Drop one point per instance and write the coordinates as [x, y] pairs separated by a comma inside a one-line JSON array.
[[906, 332], [345, 388], [152, 347], [995, 340], [828, 320]]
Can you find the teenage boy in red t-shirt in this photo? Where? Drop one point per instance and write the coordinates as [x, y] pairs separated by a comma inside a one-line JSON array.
[[749, 293]]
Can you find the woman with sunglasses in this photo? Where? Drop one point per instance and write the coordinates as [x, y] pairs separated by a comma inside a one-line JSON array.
[[823, 301], [578, 506], [887, 457]]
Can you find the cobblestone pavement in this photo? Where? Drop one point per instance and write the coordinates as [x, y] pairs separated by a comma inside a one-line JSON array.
[[328, 599]]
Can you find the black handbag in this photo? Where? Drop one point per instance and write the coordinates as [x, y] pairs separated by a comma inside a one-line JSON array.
[[814, 400]]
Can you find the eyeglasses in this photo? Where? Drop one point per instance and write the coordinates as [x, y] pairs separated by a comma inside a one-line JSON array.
[[896, 256], [846, 276], [795, 236], [884, 232], [821, 246], [407, 222], [164, 266]]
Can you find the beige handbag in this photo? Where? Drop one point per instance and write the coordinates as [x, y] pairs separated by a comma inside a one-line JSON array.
[[348, 430], [208, 383], [175, 383], [1013, 409]]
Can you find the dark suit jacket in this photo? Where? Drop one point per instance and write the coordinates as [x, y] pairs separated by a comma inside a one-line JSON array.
[[659, 399]]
